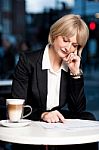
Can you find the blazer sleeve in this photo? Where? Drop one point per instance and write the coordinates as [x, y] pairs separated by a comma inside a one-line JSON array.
[[21, 87], [76, 96], [20, 79]]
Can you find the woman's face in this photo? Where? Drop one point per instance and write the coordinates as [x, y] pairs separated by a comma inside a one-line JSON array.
[[63, 46]]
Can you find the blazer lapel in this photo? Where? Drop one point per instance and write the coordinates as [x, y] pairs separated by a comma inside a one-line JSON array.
[[63, 88], [42, 83]]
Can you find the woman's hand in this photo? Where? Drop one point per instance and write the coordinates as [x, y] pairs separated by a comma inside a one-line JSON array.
[[52, 117], [73, 62]]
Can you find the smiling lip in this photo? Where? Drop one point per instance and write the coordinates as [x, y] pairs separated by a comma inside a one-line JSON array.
[[64, 50]]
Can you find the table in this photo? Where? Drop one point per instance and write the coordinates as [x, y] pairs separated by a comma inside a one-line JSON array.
[[38, 134]]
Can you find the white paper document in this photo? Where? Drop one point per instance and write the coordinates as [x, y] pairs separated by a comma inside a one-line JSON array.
[[71, 124]]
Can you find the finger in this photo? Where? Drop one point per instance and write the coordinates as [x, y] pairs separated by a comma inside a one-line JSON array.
[[55, 119], [75, 52], [48, 120], [67, 59], [72, 57], [61, 117]]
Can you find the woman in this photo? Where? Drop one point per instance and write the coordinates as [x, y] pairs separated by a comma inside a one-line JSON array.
[[51, 80]]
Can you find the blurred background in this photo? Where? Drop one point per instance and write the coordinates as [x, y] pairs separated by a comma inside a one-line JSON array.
[[24, 25]]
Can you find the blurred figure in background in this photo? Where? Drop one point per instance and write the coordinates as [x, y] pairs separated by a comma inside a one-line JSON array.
[[25, 45], [8, 59]]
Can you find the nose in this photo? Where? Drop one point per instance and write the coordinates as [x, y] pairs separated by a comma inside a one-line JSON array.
[[68, 46]]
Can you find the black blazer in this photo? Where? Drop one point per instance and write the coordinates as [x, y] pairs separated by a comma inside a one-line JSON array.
[[30, 83]]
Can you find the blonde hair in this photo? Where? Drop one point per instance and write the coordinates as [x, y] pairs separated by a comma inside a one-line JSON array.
[[68, 26]]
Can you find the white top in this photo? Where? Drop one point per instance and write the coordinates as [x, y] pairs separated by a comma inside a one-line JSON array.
[[73, 132], [53, 80]]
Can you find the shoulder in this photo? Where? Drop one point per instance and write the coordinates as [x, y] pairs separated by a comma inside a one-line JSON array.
[[32, 56]]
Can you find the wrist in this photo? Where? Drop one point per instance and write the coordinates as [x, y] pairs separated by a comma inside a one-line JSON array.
[[77, 75]]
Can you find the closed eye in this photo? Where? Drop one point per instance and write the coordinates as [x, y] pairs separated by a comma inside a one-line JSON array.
[[65, 39], [75, 46]]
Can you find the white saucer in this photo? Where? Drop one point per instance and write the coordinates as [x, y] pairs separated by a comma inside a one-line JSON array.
[[22, 123]]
